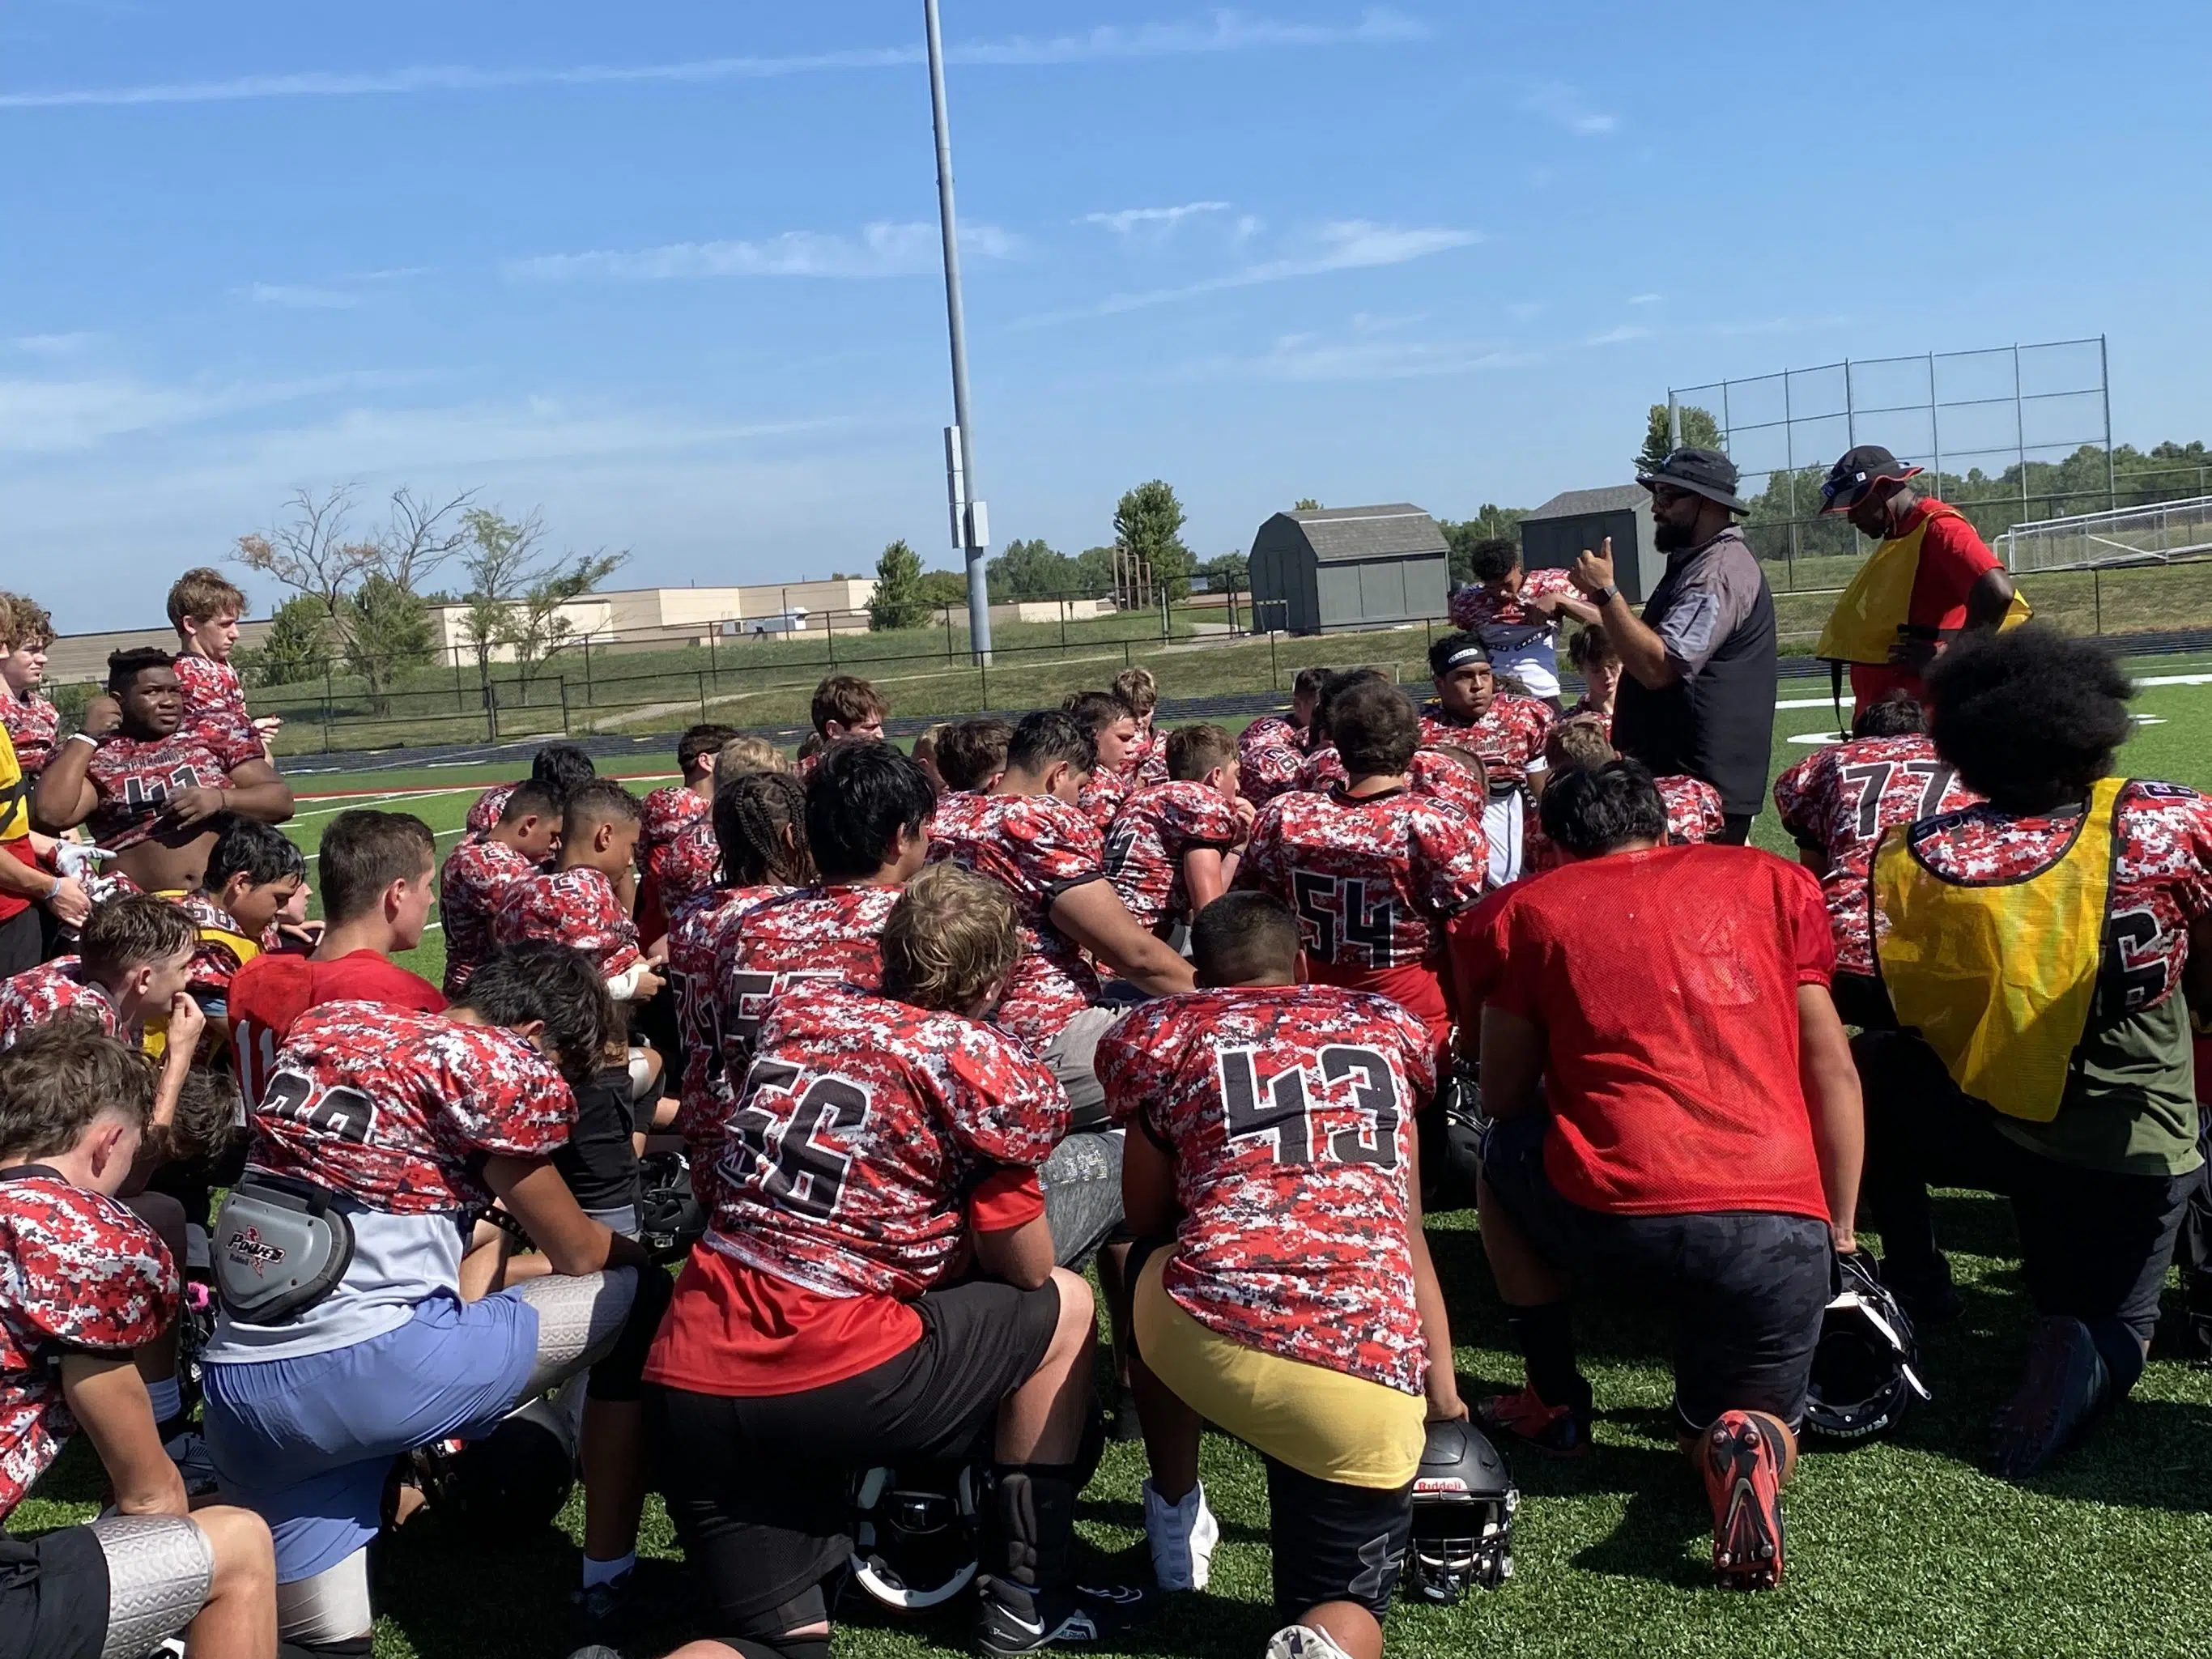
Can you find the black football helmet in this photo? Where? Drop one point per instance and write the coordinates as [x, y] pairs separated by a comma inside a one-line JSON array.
[[1463, 1503], [1866, 1369], [917, 1533], [670, 1220], [515, 1480]]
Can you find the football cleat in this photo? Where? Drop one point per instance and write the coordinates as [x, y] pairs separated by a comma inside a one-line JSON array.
[[1182, 1536], [1303, 1642], [1555, 1430], [2064, 1390], [1743, 1481]]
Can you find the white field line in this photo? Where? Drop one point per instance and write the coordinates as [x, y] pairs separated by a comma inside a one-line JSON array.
[[439, 835]]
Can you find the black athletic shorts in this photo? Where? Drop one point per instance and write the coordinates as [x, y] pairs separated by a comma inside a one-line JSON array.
[[1332, 1542], [599, 1163], [759, 1487], [1747, 1288], [53, 1595]]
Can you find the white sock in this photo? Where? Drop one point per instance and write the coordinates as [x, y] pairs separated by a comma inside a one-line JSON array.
[[605, 1573], [166, 1397]]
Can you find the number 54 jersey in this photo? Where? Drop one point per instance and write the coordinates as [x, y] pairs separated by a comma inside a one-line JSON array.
[[866, 1134], [1289, 1111]]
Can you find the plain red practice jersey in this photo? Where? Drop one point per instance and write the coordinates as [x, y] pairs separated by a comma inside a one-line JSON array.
[[79, 1274], [1154, 829], [271, 993], [1289, 1113], [53, 990], [1036, 847], [576, 907], [133, 778], [474, 879], [862, 1127], [215, 710], [1836, 802]]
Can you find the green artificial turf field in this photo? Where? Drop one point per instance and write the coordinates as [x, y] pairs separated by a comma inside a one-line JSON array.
[[1900, 1547]]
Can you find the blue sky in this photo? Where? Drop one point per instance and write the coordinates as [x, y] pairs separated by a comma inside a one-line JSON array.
[[668, 271]]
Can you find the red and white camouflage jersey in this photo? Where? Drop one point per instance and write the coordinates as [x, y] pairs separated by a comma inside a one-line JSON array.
[[79, 1274], [2162, 874], [40, 996], [1445, 777], [1502, 619], [1320, 771], [1372, 880], [668, 812], [1153, 770], [1102, 796], [1290, 1112], [1510, 736], [815, 932], [576, 907], [956, 813], [396, 1109], [132, 777], [1036, 847], [1154, 829], [216, 957], [700, 936], [1269, 752], [33, 723], [1584, 709], [474, 879], [687, 866], [1693, 816], [484, 811], [1837, 802], [215, 710], [861, 1128]]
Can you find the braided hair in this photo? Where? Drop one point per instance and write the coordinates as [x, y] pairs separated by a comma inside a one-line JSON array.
[[760, 823]]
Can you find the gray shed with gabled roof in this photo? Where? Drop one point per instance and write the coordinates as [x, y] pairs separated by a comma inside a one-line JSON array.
[[1555, 533], [1348, 566]]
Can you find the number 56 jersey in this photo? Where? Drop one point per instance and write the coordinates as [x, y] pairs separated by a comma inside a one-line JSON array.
[[1289, 1111], [867, 1132]]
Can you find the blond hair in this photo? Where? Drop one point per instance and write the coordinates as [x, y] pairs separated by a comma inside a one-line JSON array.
[[747, 754], [1138, 691], [950, 936], [1579, 744]]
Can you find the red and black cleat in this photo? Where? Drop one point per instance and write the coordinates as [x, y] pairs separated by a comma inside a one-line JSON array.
[[1555, 1430], [1743, 1480]]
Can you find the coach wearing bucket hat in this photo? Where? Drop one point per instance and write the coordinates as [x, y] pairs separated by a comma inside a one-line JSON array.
[[1697, 695], [1931, 578]]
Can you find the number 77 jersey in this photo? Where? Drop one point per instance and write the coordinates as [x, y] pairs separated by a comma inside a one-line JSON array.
[[1837, 803], [1289, 1111]]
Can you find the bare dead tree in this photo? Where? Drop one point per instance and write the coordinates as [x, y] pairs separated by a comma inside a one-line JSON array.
[[307, 548], [422, 534]]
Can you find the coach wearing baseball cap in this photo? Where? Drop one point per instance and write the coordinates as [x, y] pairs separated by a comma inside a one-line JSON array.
[[1931, 578], [1697, 695]]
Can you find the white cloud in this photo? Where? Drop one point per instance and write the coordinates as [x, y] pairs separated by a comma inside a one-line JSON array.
[[299, 297], [46, 417], [1645, 299], [1160, 221], [1221, 31], [1619, 336], [882, 249], [1566, 108], [54, 345], [1344, 245]]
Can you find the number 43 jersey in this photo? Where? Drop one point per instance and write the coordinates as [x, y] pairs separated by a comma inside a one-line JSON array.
[[392, 1112], [1289, 1111], [866, 1135]]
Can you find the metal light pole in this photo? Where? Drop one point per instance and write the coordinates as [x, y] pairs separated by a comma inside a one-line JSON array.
[[970, 524]]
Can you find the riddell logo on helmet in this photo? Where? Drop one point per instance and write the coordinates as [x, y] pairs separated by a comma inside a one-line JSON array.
[[1446, 1484]]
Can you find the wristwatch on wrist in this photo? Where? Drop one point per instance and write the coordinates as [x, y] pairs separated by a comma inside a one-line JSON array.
[[1606, 595]]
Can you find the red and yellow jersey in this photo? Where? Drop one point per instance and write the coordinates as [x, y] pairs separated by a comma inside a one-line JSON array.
[[576, 907], [1290, 1114], [862, 1129], [396, 1110], [223, 948], [1036, 847], [1154, 829], [79, 1274], [1838, 802]]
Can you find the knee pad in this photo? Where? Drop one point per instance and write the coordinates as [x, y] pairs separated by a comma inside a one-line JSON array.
[[160, 1569], [329, 1610], [578, 1320], [644, 1076]]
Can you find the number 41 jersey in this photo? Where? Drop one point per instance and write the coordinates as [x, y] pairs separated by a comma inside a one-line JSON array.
[[864, 1127], [1289, 1111]]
